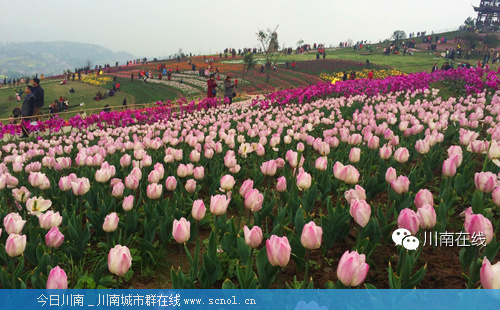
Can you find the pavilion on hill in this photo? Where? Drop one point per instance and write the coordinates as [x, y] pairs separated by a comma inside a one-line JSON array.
[[488, 15]]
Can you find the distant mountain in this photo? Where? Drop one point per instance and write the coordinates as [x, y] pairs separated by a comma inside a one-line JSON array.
[[52, 58]]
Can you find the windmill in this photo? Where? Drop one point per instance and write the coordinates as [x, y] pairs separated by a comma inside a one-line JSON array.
[[273, 44]]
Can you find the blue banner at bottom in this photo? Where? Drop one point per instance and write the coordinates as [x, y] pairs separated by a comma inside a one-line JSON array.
[[251, 299]]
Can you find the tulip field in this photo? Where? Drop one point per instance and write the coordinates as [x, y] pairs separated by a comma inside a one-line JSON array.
[[303, 188]]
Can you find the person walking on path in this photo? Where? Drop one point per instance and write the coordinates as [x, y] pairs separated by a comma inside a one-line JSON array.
[[228, 89], [28, 107], [38, 92], [212, 85]]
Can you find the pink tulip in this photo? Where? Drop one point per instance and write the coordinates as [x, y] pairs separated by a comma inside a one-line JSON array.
[[351, 175], [401, 155], [449, 168], [253, 200], [478, 227], [424, 197], [357, 193], [385, 152], [190, 186], [194, 156], [80, 186], [360, 211], [64, 184], [303, 181], [281, 184], [57, 279], [278, 251], [54, 238], [181, 230], [37, 205], [13, 223], [154, 177], [171, 183], [422, 146], [339, 171], [21, 195], [253, 237], [128, 203], [199, 173], [125, 160], [136, 172], [50, 219], [199, 210], [235, 169], [408, 219], [400, 185], [494, 151], [374, 143], [227, 182], [496, 196], [269, 168], [280, 163], [246, 187], [15, 245], [311, 236], [36, 179], [426, 216], [154, 191], [117, 190], [119, 260], [485, 181], [352, 269], [490, 275], [354, 155], [456, 150], [219, 204], [111, 222], [321, 164], [131, 182]]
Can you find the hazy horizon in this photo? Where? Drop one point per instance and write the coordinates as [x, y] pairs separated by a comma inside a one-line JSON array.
[[159, 28]]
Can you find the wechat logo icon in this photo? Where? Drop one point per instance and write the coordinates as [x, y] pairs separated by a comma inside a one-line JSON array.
[[403, 237]]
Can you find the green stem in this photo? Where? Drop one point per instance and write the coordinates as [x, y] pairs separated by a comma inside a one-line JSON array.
[[473, 269], [279, 279], [180, 256], [249, 216], [308, 253], [216, 230], [12, 267]]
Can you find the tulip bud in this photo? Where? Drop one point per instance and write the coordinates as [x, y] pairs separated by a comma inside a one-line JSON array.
[[426, 216], [154, 177], [154, 191], [246, 187], [408, 219], [352, 269], [281, 184], [496, 196], [478, 226], [354, 155], [253, 200], [128, 203], [190, 186], [278, 251], [119, 260], [199, 173], [311, 236], [219, 204], [227, 182], [80, 186], [15, 245], [57, 279], [111, 222], [303, 181], [490, 275], [449, 168], [125, 160], [199, 210], [350, 175], [50, 219], [357, 193], [54, 238], [118, 190], [269, 168], [485, 181], [321, 164], [13, 223], [181, 230], [400, 185], [424, 197], [182, 171], [360, 211], [401, 155], [171, 183], [253, 237]]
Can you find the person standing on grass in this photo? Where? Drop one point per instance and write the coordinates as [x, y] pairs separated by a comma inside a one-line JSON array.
[[28, 107], [212, 85], [38, 92], [124, 103], [434, 68], [228, 89], [370, 75]]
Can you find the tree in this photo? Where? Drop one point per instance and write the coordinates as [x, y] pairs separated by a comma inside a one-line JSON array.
[[299, 43], [268, 40], [470, 40], [491, 41], [248, 64], [89, 64], [398, 35], [469, 22]]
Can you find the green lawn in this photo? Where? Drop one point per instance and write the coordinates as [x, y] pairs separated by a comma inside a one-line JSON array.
[[136, 92]]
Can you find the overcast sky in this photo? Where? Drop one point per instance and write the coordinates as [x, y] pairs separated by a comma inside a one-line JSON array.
[[154, 28]]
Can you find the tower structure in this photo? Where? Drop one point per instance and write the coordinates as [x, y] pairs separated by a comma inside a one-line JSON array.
[[488, 15]]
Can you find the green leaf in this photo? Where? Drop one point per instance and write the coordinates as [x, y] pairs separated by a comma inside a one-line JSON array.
[[299, 221], [330, 285], [266, 272], [228, 285], [243, 250]]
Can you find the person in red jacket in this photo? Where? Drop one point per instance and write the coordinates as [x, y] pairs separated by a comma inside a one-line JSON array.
[[212, 85], [370, 75]]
